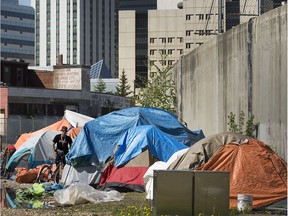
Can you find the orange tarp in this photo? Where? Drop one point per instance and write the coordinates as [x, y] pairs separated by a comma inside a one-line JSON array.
[[74, 132], [254, 169], [56, 126]]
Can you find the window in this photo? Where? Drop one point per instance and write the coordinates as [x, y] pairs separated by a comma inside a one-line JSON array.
[[170, 62], [163, 62], [209, 32], [151, 52], [170, 40], [152, 62], [163, 51], [6, 75], [163, 40], [19, 76], [152, 74], [189, 16], [170, 51], [189, 32], [152, 40], [199, 32], [208, 16], [201, 16], [180, 51], [188, 45], [180, 39]]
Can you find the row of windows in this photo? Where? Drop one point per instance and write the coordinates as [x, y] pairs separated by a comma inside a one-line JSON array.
[[19, 76], [165, 40], [162, 62], [7, 41], [189, 45], [18, 37], [17, 28], [17, 15], [16, 23], [162, 51], [200, 32], [14, 50], [24, 10], [199, 16]]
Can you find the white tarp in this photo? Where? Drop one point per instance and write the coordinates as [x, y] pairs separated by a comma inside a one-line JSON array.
[[159, 165], [82, 193], [86, 175], [76, 119]]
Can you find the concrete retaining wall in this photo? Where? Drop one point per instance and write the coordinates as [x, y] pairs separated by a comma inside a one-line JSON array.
[[244, 69]]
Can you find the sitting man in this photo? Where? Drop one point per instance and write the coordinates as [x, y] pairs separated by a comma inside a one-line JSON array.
[[61, 145]]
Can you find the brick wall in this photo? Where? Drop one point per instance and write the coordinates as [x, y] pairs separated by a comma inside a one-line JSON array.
[[4, 100], [43, 79]]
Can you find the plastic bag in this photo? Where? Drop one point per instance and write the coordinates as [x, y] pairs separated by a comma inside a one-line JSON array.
[[80, 193]]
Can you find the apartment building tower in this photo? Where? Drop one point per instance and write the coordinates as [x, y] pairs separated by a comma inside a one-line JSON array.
[[17, 32], [82, 31], [178, 27], [133, 43]]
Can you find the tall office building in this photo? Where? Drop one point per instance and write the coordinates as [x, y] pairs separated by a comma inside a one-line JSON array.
[[133, 43], [83, 31], [17, 31], [178, 27]]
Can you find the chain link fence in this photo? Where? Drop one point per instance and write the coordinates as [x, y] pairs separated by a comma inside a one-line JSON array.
[[240, 11], [14, 126]]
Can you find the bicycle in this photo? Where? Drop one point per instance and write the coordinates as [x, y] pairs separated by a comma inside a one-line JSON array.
[[51, 172]]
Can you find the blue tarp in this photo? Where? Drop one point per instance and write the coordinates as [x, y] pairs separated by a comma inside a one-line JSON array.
[[138, 139], [98, 138]]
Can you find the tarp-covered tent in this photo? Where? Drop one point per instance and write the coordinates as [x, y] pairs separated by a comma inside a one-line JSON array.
[[70, 119], [40, 148], [138, 149], [98, 138], [254, 169], [204, 149], [196, 155]]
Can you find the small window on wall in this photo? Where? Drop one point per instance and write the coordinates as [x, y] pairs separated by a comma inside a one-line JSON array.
[[170, 40], [19, 76], [6, 78]]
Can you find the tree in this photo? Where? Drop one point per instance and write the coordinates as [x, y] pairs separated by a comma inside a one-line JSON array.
[[238, 128], [160, 88], [123, 89], [100, 86]]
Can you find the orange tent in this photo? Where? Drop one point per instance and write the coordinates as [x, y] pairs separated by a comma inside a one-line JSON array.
[[254, 169], [56, 126], [74, 132]]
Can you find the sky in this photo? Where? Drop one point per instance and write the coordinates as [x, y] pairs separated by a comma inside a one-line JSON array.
[[25, 2]]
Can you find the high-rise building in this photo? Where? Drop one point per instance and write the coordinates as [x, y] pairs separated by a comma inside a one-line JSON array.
[[133, 43], [83, 31], [175, 28], [17, 31]]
